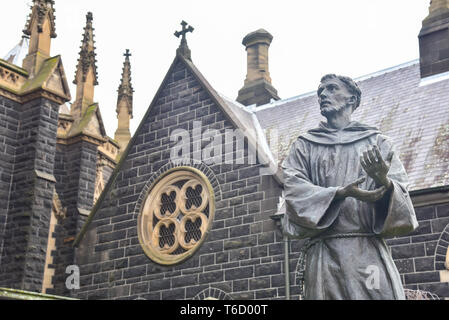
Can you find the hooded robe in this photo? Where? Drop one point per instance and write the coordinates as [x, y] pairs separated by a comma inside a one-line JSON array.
[[349, 268]]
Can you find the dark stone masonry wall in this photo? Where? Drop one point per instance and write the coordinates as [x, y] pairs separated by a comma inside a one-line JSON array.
[[30, 202], [75, 173], [9, 122], [241, 257], [420, 256], [107, 172]]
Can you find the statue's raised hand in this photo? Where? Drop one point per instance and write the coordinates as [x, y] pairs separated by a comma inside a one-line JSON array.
[[353, 190], [376, 167]]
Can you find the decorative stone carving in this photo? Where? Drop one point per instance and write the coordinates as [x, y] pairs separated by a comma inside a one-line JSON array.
[[59, 211], [99, 182], [38, 12], [10, 79], [87, 54], [176, 216]]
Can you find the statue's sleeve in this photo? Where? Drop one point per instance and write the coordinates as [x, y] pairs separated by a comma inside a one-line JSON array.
[[395, 215], [310, 209]]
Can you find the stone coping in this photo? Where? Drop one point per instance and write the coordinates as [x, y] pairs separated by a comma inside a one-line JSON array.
[[15, 294]]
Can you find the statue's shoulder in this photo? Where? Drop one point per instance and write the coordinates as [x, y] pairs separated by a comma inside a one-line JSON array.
[[303, 140]]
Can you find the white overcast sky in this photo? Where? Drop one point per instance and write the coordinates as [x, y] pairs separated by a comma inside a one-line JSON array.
[[311, 38]]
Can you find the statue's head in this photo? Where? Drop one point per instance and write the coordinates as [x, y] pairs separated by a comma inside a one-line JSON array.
[[338, 92]]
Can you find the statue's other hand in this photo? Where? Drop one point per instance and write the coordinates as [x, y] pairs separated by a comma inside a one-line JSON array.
[[376, 167], [353, 190]]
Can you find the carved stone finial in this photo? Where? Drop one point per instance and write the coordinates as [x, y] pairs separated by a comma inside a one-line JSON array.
[[86, 77], [39, 11], [126, 89], [40, 28], [124, 105], [183, 47], [87, 54]]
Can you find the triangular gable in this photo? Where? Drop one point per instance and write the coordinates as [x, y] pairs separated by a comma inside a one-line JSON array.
[[91, 123], [51, 77], [212, 94], [57, 82], [100, 122]]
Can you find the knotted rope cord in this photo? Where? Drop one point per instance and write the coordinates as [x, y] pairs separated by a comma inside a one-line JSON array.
[[302, 260]]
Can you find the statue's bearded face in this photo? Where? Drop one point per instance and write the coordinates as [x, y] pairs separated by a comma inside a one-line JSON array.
[[333, 96]]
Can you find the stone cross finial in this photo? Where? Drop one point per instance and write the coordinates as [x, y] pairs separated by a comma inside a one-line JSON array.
[[183, 32], [183, 48], [127, 54]]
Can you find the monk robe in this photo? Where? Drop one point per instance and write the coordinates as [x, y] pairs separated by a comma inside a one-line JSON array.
[[338, 268]]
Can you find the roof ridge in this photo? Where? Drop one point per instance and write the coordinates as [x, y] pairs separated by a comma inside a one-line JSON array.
[[358, 79]]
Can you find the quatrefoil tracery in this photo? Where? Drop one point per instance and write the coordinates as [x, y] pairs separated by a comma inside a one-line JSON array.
[[176, 215], [181, 216]]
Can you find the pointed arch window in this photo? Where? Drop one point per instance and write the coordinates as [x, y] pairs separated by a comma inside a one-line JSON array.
[[176, 216]]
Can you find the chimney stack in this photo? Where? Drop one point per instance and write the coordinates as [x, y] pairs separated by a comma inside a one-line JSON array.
[[257, 88], [434, 39]]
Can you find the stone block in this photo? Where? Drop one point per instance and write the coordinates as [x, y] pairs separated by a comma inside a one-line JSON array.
[[422, 277], [211, 277], [259, 283], [424, 264], [240, 285], [160, 284], [184, 281], [408, 251], [268, 269], [239, 273]]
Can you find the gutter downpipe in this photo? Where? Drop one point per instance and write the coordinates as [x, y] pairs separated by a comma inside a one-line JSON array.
[[287, 266]]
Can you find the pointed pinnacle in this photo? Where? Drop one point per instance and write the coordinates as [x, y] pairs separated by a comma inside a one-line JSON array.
[[87, 52]]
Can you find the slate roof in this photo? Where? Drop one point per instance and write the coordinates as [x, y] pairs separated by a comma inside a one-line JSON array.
[[249, 120], [414, 112]]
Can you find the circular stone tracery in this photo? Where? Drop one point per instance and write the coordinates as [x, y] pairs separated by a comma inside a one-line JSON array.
[[176, 215]]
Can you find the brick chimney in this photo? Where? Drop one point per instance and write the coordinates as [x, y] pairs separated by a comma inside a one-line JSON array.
[[434, 39], [257, 88]]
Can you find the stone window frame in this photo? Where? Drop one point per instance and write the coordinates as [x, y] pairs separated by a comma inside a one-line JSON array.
[[213, 294], [164, 180], [442, 251]]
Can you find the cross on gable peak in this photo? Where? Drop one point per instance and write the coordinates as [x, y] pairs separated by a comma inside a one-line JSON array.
[[183, 48], [184, 30]]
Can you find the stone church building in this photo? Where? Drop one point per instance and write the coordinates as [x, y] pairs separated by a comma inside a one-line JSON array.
[[190, 206]]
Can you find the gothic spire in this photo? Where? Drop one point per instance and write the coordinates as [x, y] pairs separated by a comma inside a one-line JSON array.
[[124, 105], [86, 71], [125, 89], [87, 54], [40, 27], [40, 11]]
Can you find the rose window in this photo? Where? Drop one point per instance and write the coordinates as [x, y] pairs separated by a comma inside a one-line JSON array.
[[176, 216]]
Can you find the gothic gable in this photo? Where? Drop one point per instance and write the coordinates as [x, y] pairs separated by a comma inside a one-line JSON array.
[[211, 194]]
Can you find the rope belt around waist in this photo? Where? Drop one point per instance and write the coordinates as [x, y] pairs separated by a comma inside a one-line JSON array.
[[301, 269]]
